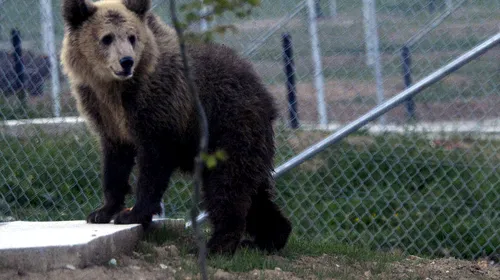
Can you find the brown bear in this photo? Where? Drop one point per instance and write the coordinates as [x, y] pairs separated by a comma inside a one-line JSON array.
[[125, 70]]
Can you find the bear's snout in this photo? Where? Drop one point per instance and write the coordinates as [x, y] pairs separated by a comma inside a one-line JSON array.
[[127, 62]]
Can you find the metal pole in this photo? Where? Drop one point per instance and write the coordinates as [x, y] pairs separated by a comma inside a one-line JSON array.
[[50, 49], [1, 19], [290, 79], [372, 49], [19, 67], [318, 68], [203, 22], [406, 62], [389, 104], [432, 6], [333, 8], [319, 11]]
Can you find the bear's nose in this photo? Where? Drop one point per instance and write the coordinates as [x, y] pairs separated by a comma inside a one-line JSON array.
[[127, 62]]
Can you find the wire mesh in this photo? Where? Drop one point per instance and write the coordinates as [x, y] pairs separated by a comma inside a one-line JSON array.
[[425, 182]]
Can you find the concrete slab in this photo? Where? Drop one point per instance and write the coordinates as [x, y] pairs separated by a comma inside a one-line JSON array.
[[41, 246], [483, 129], [487, 128], [51, 126]]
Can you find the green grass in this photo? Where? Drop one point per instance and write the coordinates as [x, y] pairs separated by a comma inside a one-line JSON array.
[[246, 260], [46, 177], [398, 192], [11, 108]]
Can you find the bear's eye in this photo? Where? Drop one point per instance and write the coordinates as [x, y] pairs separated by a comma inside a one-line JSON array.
[[131, 38], [107, 40]]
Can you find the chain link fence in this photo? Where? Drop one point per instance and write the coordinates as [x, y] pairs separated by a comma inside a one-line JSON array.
[[423, 179]]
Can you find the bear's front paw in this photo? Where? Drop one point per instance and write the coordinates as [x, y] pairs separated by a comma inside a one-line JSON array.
[[131, 216], [102, 215]]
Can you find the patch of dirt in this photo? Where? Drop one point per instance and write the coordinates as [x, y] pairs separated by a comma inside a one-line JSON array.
[[348, 100], [450, 268], [165, 262]]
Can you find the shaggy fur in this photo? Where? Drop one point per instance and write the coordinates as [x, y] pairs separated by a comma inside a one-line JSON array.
[[144, 112]]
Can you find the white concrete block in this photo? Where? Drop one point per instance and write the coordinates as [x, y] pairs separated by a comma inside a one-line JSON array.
[[41, 246]]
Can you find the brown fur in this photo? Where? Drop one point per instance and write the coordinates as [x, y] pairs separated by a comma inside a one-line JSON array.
[[145, 112]]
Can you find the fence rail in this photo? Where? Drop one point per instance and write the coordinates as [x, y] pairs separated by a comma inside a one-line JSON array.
[[425, 181]]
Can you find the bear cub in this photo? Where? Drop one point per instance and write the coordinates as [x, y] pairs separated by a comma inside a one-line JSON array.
[[126, 74]]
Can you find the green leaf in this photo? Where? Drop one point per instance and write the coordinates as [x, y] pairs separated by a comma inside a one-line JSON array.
[[254, 2], [211, 162], [221, 155]]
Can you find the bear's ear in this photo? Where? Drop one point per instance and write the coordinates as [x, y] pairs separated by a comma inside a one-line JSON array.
[[75, 12], [140, 7]]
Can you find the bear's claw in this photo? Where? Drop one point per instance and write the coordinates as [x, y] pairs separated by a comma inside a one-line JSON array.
[[100, 216], [131, 216], [127, 216]]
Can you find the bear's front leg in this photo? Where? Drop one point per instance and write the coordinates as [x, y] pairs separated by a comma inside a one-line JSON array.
[[154, 173], [117, 163]]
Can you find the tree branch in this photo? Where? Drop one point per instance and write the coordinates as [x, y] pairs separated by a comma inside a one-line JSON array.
[[202, 145]]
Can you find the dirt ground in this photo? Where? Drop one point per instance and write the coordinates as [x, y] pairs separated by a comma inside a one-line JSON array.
[[166, 262], [347, 100]]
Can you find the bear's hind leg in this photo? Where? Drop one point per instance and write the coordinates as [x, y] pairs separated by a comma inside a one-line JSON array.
[[266, 223], [227, 201]]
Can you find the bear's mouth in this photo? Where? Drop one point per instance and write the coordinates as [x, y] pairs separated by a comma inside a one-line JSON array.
[[123, 74]]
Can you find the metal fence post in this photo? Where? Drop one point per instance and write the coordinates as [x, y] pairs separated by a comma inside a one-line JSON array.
[[432, 6], [406, 62], [290, 79], [318, 68], [19, 67], [50, 49], [203, 21], [333, 8], [319, 11], [372, 48]]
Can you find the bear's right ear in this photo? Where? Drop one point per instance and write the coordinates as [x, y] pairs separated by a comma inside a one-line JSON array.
[[75, 12], [140, 7]]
